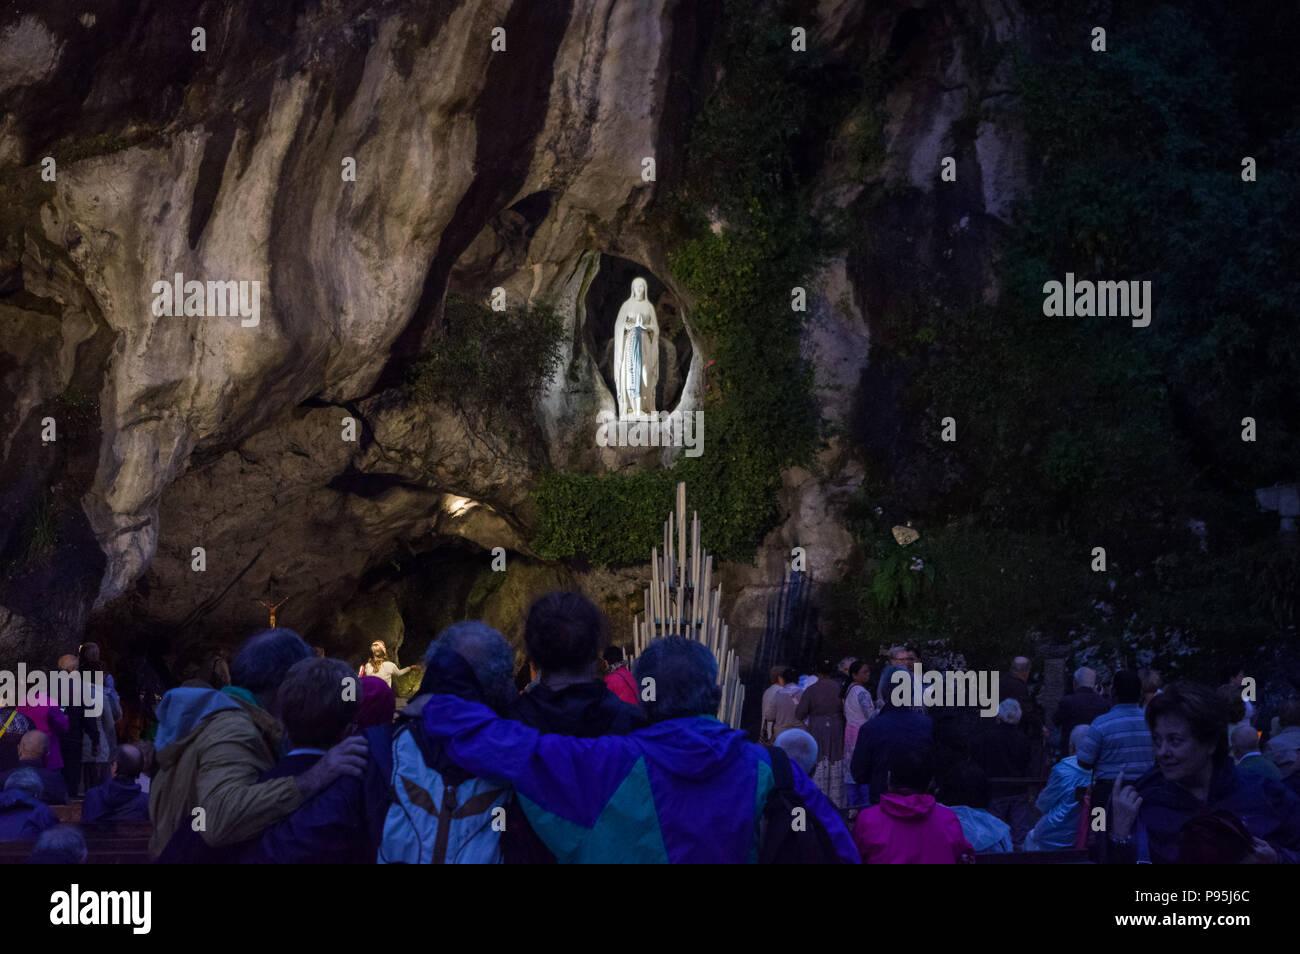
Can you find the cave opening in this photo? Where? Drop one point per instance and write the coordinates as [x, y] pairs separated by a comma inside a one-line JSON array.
[[431, 589]]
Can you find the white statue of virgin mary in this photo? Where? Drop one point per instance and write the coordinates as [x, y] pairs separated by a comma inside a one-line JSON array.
[[636, 354]]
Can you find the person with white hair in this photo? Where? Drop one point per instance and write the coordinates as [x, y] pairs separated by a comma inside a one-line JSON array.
[[801, 747], [1081, 706], [1003, 752], [1060, 801], [1014, 684]]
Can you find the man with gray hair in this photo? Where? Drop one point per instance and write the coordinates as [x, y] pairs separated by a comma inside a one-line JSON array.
[[213, 746], [23, 816], [686, 789], [1081, 706], [1014, 684], [1003, 752]]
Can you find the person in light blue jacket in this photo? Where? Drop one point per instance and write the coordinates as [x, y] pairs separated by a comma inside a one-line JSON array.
[[1059, 802], [965, 789]]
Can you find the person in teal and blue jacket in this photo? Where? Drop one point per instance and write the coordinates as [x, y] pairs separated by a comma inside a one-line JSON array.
[[686, 789]]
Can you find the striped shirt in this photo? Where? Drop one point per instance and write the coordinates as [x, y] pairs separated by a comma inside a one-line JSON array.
[[1118, 740]]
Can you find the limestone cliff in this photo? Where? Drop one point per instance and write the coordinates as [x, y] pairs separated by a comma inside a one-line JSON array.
[[475, 168]]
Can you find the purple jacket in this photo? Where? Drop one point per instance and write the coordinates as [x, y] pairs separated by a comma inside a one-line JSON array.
[[682, 790]]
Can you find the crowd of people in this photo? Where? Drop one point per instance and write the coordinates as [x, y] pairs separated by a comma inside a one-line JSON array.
[[286, 756]]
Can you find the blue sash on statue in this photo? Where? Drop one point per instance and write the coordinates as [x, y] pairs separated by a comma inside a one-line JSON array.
[[634, 372]]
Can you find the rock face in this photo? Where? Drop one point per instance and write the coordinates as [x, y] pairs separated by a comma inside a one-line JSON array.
[[474, 168]]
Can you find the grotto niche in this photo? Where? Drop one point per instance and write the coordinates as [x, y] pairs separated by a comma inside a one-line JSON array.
[[606, 294]]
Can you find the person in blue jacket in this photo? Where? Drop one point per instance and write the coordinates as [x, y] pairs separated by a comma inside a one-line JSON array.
[[686, 789], [1193, 778], [23, 816]]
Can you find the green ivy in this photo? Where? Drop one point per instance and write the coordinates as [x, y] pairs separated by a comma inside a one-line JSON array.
[[1087, 431], [490, 365]]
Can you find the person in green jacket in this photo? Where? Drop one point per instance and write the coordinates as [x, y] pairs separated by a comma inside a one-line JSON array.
[[212, 746]]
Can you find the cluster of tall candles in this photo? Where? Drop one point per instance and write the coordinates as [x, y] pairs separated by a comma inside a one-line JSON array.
[[679, 602]]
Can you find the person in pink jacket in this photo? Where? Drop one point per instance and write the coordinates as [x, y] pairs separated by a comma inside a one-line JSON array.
[[909, 827], [619, 679]]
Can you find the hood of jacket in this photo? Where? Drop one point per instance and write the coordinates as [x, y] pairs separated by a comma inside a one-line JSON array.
[[118, 794], [982, 828], [911, 808], [696, 748], [584, 709], [181, 711], [181, 718], [14, 799]]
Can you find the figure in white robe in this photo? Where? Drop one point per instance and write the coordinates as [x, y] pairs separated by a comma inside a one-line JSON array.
[[636, 354]]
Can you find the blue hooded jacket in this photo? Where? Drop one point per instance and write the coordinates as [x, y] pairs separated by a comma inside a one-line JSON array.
[[181, 711], [23, 818], [683, 790]]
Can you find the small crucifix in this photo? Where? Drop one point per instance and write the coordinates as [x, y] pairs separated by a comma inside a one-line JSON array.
[[272, 607]]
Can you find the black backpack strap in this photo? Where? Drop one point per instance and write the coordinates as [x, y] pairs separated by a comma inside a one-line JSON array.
[[783, 778]]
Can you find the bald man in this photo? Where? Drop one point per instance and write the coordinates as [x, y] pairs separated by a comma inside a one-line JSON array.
[[32, 749], [1250, 760], [120, 798]]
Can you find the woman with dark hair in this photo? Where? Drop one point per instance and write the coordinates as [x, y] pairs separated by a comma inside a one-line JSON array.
[[858, 708], [821, 707], [1194, 777]]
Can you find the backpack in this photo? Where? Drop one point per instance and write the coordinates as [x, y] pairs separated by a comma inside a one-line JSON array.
[[438, 817], [779, 842]]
